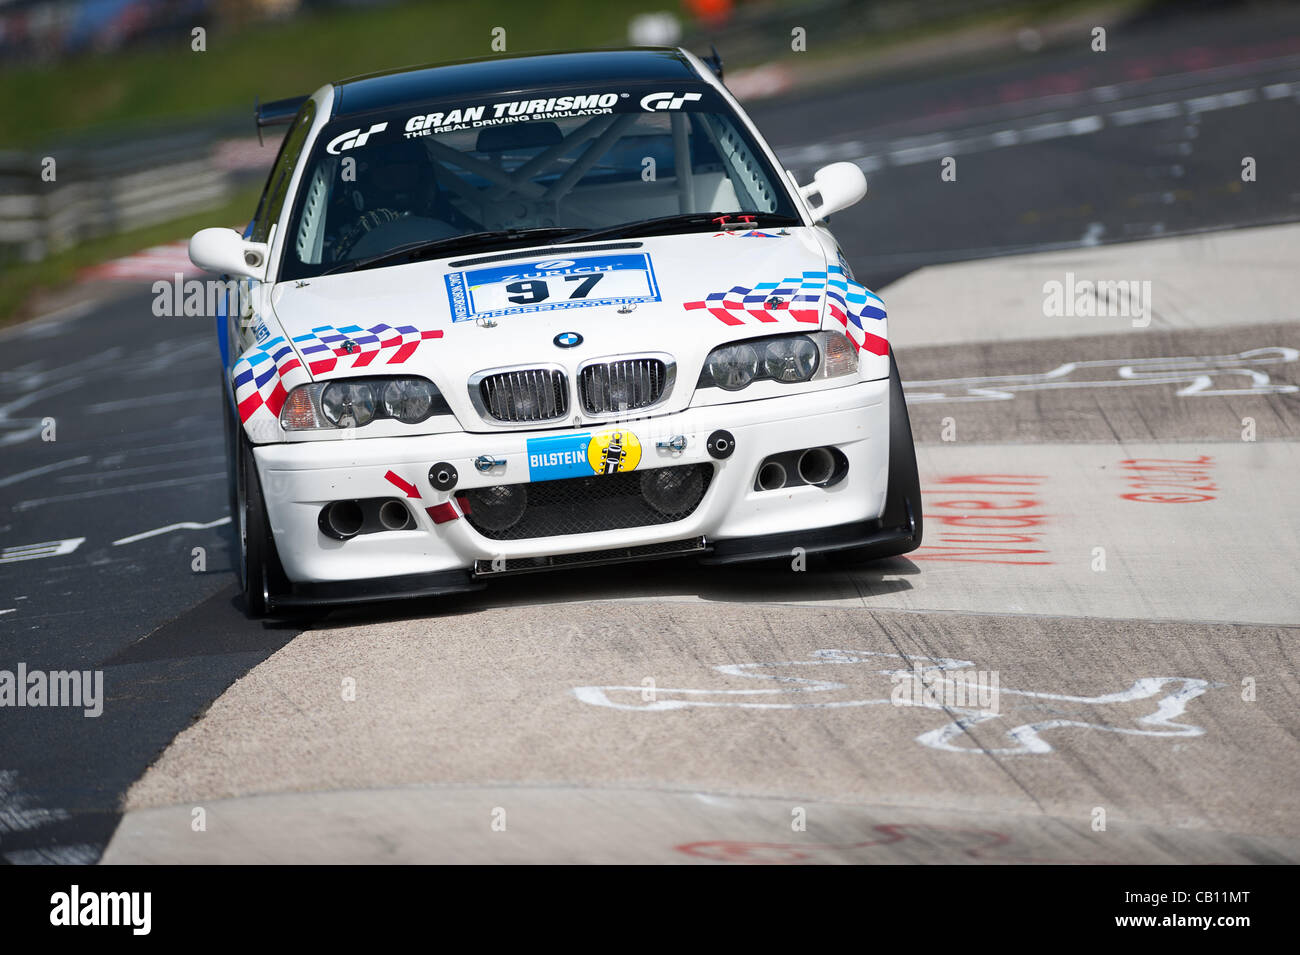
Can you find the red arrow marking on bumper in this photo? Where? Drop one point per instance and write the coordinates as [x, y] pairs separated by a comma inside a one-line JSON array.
[[410, 489]]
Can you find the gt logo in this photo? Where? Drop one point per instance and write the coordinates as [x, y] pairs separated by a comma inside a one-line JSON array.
[[662, 101], [353, 138]]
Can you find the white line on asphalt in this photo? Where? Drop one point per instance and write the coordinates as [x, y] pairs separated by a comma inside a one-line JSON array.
[[10, 610], [182, 526], [1070, 127], [79, 854], [103, 406], [18, 811], [1203, 104], [36, 551], [170, 446], [44, 469], [915, 149], [51, 323], [143, 469], [34, 396], [101, 492], [31, 428], [914, 154], [1145, 114]]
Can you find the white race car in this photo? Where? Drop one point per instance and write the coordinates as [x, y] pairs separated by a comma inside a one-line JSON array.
[[547, 311]]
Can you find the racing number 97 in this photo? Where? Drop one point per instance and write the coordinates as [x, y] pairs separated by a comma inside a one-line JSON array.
[[536, 290]]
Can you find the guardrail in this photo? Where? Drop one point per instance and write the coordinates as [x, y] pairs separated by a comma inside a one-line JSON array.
[[101, 191]]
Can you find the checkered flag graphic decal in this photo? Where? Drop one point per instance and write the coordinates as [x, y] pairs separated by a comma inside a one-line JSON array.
[[801, 299], [264, 376], [325, 347]]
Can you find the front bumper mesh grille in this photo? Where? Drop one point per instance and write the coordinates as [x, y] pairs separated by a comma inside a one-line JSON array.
[[520, 397], [622, 385], [587, 504]]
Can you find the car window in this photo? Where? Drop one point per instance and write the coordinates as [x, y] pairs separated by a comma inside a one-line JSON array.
[[577, 160], [277, 184]]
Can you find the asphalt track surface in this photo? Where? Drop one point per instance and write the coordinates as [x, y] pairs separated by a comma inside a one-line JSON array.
[[1121, 628]]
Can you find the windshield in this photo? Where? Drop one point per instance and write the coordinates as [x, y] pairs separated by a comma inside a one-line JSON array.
[[563, 161]]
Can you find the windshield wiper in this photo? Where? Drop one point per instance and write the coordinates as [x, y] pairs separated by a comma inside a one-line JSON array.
[[414, 251], [724, 221]]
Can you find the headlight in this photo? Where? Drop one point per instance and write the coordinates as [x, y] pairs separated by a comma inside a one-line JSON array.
[[732, 367], [788, 359], [409, 399], [355, 402], [348, 404]]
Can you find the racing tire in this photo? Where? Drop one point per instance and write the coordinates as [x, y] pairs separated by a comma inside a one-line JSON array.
[[903, 495], [258, 566]]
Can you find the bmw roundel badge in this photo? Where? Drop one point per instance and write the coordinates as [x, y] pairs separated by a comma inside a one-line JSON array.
[[568, 340]]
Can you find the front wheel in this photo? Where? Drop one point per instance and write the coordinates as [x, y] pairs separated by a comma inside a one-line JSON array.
[[903, 496], [260, 574]]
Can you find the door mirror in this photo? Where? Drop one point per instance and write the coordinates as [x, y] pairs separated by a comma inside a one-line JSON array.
[[838, 186], [226, 252]]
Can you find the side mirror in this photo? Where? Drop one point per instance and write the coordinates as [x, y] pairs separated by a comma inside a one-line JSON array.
[[226, 252], [839, 185]]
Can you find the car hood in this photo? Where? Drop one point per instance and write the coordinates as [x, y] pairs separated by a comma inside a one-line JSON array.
[[448, 319]]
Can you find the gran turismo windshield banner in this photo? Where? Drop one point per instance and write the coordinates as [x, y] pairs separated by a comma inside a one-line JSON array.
[[461, 115]]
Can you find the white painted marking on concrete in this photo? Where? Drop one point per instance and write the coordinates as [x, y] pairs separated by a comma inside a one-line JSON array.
[[1026, 736], [1278, 90], [43, 469], [709, 799], [44, 549], [182, 526], [1197, 375]]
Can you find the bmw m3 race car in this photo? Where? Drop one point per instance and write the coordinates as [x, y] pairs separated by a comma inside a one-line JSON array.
[[546, 311]]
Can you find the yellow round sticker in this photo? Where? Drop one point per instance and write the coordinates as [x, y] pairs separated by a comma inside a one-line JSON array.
[[611, 452]]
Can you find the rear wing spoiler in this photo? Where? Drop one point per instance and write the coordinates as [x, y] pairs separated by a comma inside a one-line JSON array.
[[713, 61], [279, 112]]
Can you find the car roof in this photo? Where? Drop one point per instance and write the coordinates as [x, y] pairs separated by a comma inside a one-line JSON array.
[[507, 74]]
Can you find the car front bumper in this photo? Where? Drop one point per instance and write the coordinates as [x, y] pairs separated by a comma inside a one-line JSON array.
[[299, 479]]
